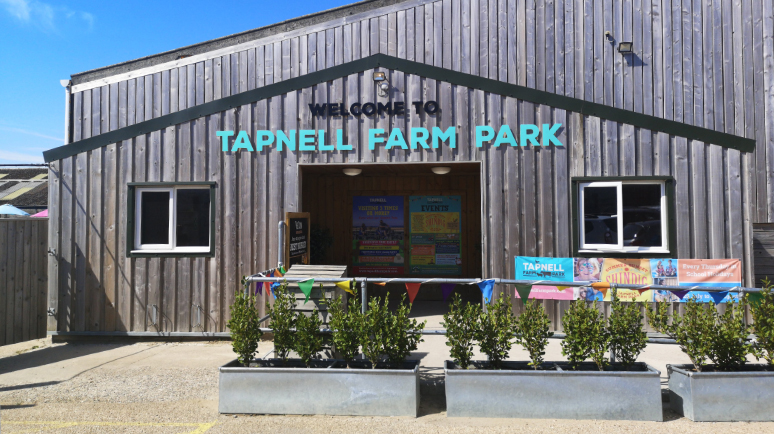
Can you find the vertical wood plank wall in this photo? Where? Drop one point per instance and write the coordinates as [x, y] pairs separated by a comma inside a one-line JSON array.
[[23, 278], [525, 195]]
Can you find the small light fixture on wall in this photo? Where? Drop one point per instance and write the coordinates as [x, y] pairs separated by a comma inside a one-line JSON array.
[[441, 170], [352, 171], [382, 84], [625, 47]]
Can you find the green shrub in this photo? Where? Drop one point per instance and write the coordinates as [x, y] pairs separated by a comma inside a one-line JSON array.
[[245, 327], [344, 323], [691, 331], [496, 329], [585, 335], [626, 337], [762, 311], [728, 342], [533, 331], [372, 331], [308, 340], [283, 321], [402, 334], [461, 324], [386, 334]]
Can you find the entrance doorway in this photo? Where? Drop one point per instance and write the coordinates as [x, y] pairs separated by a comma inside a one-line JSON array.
[[443, 241]]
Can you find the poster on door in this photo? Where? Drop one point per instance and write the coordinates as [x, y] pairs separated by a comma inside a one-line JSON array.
[[378, 231], [435, 235]]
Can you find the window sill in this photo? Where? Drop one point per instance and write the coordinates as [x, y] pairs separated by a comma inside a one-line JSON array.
[[626, 252], [171, 253]]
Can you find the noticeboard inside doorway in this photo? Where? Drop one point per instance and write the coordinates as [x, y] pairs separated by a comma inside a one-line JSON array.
[[435, 235], [297, 238]]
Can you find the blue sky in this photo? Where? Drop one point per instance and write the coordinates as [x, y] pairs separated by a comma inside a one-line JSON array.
[[42, 42]]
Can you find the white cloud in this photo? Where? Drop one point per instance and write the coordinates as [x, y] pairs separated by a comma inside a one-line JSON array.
[[31, 133], [18, 157], [42, 14]]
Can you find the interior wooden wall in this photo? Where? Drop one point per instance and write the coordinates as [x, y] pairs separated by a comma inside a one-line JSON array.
[[328, 198]]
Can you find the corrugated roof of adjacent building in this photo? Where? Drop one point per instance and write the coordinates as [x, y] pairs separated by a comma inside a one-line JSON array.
[[24, 188]]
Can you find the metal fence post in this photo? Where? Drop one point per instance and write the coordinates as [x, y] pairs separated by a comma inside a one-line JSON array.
[[281, 244], [364, 302]]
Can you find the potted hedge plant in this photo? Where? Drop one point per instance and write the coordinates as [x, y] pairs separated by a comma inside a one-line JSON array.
[[300, 381], [574, 389], [720, 384]]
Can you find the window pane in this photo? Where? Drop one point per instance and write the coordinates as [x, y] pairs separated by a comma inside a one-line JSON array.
[[642, 214], [599, 212], [193, 217], [154, 215]]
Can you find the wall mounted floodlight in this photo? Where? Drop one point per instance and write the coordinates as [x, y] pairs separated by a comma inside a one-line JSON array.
[[351, 171], [64, 83], [441, 170], [625, 47], [379, 76]]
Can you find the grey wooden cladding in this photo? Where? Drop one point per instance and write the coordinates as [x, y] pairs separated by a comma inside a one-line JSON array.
[[24, 267], [704, 63], [525, 199], [763, 251]]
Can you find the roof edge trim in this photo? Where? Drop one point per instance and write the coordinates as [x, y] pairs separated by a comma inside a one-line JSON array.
[[415, 68]]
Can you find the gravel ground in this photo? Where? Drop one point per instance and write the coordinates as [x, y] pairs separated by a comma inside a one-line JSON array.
[[173, 388]]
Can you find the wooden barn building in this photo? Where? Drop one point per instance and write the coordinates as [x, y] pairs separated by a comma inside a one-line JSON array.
[[178, 166]]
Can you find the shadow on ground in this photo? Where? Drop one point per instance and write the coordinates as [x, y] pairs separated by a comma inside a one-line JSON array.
[[50, 355]]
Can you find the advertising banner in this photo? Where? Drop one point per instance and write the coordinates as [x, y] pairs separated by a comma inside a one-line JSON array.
[[640, 272], [377, 235], [709, 272], [297, 238], [435, 235]]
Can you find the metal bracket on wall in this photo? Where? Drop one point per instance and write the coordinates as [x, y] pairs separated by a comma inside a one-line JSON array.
[[198, 324], [155, 312], [51, 311], [52, 252]]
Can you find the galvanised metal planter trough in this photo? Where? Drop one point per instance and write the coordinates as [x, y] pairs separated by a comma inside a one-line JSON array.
[[327, 388], [722, 396], [518, 391]]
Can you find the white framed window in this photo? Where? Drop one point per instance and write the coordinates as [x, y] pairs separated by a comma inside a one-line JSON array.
[[171, 219], [623, 216]]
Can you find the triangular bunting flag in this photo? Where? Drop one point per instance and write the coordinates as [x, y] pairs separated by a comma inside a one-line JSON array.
[[603, 291], [523, 290], [282, 270], [486, 287], [277, 273], [447, 289], [754, 297], [562, 288], [259, 288], [718, 296], [641, 290], [346, 286], [306, 288], [413, 289], [599, 286], [274, 286], [267, 287], [680, 293], [380, 283]]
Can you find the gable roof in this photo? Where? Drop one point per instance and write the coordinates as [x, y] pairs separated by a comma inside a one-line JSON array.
[[230, 40], [415, 68]]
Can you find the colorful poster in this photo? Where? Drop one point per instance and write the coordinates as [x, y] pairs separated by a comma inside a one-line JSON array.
[[640, 272], [377, 235], [435, 235], [710, 272], [627, 272], [554, 269], [587, 269]]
